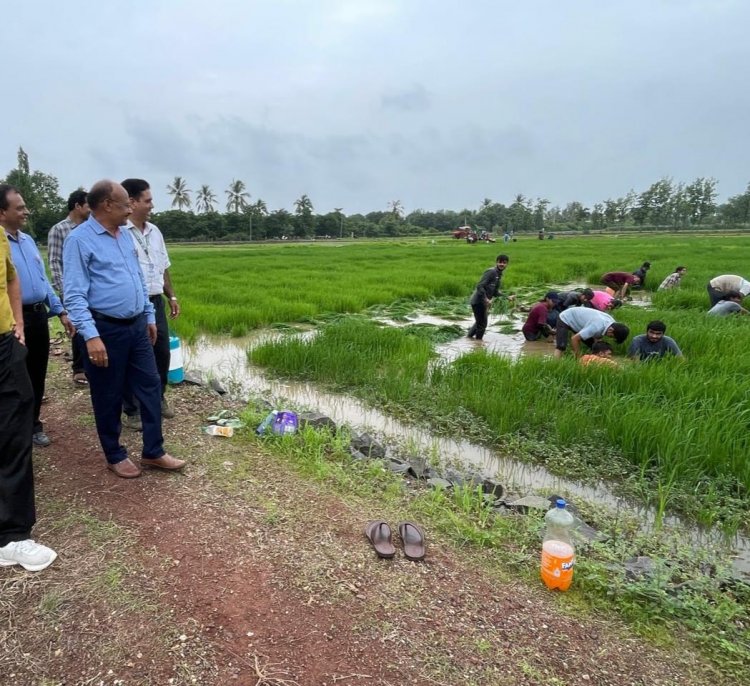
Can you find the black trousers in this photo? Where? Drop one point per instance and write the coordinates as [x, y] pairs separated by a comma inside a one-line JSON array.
[[480, 321], [78, 348], [161, 353], [17, 511], [36, 331]]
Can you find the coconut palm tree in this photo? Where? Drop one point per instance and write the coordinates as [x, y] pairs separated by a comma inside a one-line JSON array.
[[180, 193], [237, 196], [205, 199]]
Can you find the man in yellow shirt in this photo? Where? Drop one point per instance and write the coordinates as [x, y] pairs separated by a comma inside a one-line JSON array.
[[17, 511]]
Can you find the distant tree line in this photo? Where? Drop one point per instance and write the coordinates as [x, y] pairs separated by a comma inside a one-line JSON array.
[[200, 216]]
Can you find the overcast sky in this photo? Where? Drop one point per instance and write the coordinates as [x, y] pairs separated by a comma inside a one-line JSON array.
[[436, 103]]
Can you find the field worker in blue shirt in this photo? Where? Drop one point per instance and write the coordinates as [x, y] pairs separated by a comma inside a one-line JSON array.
[[731, 304], [587, 326], [653, 345], [36, 295], [106, 296]]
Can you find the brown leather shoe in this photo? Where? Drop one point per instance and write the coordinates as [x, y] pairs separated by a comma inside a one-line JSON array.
[[166, 461], [125, 469]]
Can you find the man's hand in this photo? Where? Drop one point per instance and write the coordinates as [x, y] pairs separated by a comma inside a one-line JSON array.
[[152, 333], [67, 325], [18, 332], [97, 352], [174, 309]]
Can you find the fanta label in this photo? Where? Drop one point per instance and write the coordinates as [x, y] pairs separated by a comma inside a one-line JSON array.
[[558, 560]]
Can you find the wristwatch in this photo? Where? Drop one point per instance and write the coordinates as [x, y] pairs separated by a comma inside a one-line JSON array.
[[173, 297]]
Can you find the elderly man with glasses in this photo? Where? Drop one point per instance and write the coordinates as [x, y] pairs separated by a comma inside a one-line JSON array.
[[107, 300]]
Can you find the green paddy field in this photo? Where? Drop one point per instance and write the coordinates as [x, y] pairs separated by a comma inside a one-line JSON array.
[[676, 432]]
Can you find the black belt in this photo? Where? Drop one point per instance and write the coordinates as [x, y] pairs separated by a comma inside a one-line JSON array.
[[155, 298], [98, 316], [35, 307]]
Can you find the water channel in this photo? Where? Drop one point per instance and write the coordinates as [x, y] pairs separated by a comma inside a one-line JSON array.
[[227, 361]]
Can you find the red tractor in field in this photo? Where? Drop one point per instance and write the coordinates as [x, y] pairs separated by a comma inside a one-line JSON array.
[[463, 232]]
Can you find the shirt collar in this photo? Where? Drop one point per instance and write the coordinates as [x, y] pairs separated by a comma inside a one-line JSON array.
[[98, 227], [20, 236], [148, 229]]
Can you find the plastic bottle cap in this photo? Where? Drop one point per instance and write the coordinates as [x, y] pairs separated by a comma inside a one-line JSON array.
[[560, 503]]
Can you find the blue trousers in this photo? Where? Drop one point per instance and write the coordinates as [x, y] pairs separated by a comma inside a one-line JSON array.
[[132, 368]]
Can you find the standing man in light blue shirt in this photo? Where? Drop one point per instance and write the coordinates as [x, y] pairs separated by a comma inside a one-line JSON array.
[[36, 296], [106, 296]]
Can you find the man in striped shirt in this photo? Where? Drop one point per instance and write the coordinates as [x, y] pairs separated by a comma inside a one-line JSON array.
[[78, 212]]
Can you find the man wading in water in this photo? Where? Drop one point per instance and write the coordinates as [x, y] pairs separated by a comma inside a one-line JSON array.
[[481, 300]]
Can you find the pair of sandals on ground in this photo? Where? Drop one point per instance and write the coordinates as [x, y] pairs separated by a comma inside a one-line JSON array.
[[412, 538]]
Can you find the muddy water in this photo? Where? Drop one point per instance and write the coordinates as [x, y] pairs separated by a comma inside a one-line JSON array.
[[227, 361]]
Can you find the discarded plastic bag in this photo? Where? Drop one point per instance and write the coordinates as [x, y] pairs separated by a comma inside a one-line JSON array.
[[215, 430], [279, 422]]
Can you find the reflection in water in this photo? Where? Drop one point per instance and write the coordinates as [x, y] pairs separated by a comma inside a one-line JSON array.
[[227, 361]]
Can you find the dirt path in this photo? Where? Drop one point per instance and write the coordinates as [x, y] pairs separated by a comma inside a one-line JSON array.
[[242, 572]]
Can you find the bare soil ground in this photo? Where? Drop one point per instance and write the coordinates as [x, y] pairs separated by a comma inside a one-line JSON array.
[[242, 572]]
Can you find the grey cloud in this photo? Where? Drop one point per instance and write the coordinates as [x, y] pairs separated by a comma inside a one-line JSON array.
[[414, 99]]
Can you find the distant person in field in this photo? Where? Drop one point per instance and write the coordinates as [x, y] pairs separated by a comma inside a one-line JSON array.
[[587, 326], [604, 302], [601, 353], [536, 325], [719, 286], [730, 305], [619, 282], [487, 289], [566, 299], [653, 345], [673, 280], [641, 273]]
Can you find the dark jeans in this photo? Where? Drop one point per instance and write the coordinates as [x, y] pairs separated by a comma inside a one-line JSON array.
[[480, 321], [17, 511], [78, 348], [36, 331], [161, 353], [714, 295], [561, 336], [131, 368]]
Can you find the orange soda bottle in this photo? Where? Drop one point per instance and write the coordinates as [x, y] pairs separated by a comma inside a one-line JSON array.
[[558, 553]]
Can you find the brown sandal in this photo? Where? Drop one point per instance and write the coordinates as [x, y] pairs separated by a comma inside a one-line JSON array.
[[379, 535], [413, 539]]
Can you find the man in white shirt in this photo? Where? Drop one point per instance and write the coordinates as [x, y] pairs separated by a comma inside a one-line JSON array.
[[719, 286], [154, 261], [587, 326]]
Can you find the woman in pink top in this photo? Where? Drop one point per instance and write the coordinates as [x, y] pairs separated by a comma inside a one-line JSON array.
[[604, 302]]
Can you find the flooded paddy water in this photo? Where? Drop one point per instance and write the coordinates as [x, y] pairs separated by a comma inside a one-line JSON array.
[[227, 361]]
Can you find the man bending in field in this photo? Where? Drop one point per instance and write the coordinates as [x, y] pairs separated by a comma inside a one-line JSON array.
[[619, 282], [673, 280], [653, 345], [730, 305], [719, 286], [587, 326], [536, 325]]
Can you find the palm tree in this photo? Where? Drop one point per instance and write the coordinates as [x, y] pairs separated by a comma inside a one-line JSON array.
[[340, 216], [237, 196], [180, 193], [303, 205], [259, 207], [396, 208], [205, 199]]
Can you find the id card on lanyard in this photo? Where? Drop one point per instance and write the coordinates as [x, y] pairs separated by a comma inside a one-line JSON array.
[[144, 241]]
